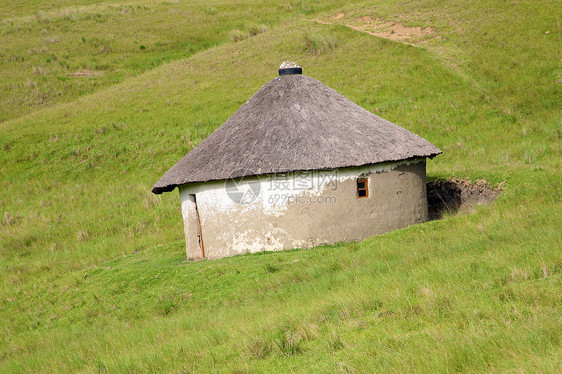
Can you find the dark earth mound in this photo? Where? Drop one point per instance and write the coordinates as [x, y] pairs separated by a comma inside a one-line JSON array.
[[454, 196]]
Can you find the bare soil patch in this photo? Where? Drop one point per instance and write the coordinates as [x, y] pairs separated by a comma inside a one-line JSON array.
[[383, 29], [457, 196]]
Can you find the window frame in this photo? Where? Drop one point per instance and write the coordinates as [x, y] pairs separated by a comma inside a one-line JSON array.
[[365, 188]]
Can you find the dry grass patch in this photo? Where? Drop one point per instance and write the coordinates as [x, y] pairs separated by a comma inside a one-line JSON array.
[[85, 73]]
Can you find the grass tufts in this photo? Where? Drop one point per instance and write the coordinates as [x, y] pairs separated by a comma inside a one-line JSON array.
[[319, 43], [260, 348], [237, 35], [334, 342], [210, 11], [257, 29], [288, 342], [272, 268]]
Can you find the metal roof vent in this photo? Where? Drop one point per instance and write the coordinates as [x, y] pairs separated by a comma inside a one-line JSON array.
[[289, 68]]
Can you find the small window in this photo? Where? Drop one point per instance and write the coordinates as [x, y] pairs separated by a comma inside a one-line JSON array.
[[362, 187]]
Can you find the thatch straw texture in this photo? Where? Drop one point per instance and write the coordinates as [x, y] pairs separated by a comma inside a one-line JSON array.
[[293, 123]]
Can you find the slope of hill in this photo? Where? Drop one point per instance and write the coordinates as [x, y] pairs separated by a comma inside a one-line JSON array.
[[92, 274], [56, 53]]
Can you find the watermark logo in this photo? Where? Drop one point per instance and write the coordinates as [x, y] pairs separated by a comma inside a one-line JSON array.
[[244, 190], [282, 188], [289, 199]]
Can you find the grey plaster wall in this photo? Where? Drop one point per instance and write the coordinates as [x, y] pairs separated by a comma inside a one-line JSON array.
[[325, 213]]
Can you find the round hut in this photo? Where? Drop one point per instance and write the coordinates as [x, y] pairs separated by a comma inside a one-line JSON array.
[[296, 166]]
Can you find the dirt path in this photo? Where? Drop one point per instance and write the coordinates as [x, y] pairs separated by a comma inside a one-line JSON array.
[[395, 31], [415, 36]]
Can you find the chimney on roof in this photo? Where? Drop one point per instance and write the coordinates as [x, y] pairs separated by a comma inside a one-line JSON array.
[[289, 68]]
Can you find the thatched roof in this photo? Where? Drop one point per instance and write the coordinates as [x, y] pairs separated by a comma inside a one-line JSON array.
[[293, 123]]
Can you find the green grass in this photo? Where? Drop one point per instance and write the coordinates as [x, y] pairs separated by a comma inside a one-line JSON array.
[[53, 54], [92, 271]]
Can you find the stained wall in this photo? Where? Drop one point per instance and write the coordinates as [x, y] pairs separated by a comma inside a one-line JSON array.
[[302, 209]]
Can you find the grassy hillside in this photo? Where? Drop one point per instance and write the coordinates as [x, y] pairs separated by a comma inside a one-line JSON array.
[[56, 53], [92, 273]]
